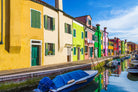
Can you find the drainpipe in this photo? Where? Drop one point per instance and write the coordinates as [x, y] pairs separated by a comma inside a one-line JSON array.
[[1, 42]]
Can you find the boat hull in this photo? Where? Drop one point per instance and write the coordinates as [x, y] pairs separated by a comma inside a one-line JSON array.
[[76, 86], [133, 71]]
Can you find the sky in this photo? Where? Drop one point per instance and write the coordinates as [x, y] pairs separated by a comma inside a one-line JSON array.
[[119, 16]]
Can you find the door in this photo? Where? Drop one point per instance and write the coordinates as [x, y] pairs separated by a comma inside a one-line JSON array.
[[35, 55], [90, 49], [78, 53], [69, 54]]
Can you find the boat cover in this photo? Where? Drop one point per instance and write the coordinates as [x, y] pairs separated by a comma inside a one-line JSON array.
[[63, 79], [45, 84]]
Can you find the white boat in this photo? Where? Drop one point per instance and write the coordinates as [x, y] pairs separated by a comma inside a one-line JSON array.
[[133, 69], [134, 62], [66, 82]]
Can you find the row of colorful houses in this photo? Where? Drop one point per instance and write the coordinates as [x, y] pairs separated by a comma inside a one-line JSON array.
[[34, 33]]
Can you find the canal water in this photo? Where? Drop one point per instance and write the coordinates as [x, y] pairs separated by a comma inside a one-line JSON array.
[[113, 80]]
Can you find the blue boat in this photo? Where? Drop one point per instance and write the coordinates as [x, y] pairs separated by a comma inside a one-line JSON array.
[[128, 57], [66, 82]]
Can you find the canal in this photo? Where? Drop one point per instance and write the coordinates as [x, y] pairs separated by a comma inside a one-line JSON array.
[[113, 80]]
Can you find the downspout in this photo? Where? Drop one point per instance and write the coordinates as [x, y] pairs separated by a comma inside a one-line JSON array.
[[1, 42]]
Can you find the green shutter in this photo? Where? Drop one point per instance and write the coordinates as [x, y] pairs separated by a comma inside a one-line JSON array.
[[81, 50], [85, 34], [53, 24], [45, 21], [32, 18], [35, 19], [82, 35], [74, 51], [46, 49], [70, 29], [74, 33], [38, 15], [53, 49], [65, 27]]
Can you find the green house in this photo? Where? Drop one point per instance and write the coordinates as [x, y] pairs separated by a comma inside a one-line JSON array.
[[122, 47], [78, 41], [97, 44]]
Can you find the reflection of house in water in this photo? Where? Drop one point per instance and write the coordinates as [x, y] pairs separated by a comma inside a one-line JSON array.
[[102, 80]]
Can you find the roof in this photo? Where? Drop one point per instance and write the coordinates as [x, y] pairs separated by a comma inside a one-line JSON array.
[[50, 6]]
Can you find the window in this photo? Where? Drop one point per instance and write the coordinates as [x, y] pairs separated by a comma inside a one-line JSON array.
[[93, 37], [74, 51], [82, 51], [49, 23], [86, 49], [35, 19], [89, 22], [68, 28], [49, 49], [74, 32], [82, 35], [85, 34]]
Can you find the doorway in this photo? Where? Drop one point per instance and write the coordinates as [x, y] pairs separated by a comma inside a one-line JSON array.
[[35, 55], [78, 53], [36, 52], [68, 54]]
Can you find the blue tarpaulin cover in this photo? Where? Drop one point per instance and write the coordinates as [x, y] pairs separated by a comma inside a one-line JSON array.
[[63, 79]]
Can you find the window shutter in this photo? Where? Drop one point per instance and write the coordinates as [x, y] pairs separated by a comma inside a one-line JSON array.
[[85, 34], [70, 29], [81, 50], [45, 21], [53, 49], [82, 35], [74, 33], [74, 50], [53, 24], [32, 18], [65, 27], [46, 49], [38, 19]]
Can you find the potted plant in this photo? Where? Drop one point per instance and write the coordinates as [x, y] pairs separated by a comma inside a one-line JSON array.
[[50, 52]]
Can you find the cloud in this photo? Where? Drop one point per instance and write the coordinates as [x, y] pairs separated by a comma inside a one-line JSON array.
[[98, 4], [124, 26], [118, 12]]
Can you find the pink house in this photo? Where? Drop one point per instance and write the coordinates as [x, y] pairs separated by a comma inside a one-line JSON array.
[[105, 42], [89, 36]]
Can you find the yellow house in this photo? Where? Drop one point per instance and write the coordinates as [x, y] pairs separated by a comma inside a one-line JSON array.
[[110, 48], [101, 43], [21, 34], [57, 35], [125, 47]]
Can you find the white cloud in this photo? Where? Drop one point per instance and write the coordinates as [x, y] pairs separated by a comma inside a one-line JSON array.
[[124, 26]]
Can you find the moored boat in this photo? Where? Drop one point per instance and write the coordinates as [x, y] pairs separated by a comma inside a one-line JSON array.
[[133, 69], [66, 82]]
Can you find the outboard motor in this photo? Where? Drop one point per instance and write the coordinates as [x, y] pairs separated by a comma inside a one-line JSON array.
[[44, 85]]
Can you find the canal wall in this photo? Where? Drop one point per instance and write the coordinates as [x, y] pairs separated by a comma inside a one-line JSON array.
[[22, 79]]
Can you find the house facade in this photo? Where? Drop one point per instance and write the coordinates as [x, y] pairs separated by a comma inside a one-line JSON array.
[[110, 48], [102, 53], [89, 36], [114, 45], [122, 47], [78, 41], [105, 42], [97, 44], [21, 40], [57, 35]]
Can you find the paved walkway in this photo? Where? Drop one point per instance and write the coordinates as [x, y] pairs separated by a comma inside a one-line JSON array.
[[54, 66]]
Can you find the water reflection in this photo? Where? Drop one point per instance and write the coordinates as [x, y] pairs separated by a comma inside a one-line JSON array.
[[113, 80]]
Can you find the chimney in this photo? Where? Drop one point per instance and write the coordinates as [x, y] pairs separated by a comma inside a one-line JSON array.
[[125, 40], [98, 26], [105, 29], [58, 4]]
